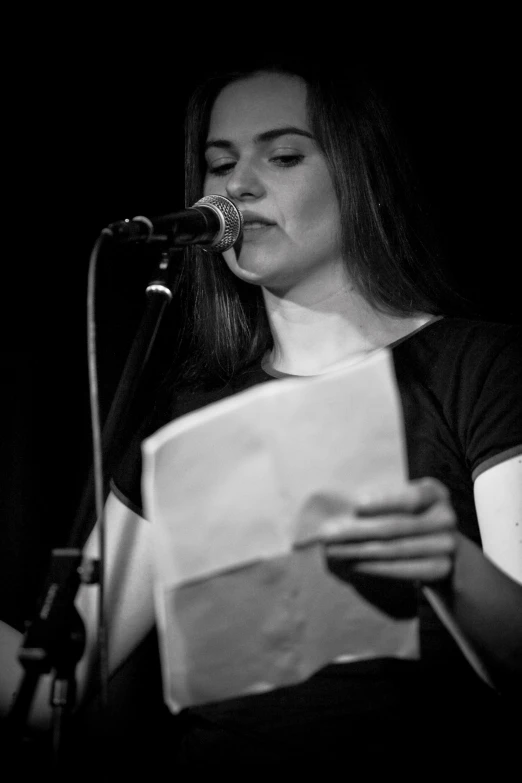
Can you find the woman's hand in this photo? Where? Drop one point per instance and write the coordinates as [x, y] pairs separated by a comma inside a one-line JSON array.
[[407, 534]]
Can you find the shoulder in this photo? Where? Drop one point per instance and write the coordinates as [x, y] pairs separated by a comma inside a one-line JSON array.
[[461, 348], [476, 337], [462, 356], [462, 331], [467, 375]]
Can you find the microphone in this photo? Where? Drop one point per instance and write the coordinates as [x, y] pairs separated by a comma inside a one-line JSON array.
[[213, 222]]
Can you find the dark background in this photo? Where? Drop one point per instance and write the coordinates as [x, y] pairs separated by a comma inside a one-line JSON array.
[[95, 121]]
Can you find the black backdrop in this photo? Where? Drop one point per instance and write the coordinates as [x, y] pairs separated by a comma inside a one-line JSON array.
[[97, 136]]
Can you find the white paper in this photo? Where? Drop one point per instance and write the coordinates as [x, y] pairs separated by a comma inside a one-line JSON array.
[[236, 493]]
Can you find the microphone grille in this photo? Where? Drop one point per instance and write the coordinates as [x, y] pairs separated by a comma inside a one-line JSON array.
[[230, 218]]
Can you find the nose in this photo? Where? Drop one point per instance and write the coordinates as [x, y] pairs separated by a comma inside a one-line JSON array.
[[244, 183]]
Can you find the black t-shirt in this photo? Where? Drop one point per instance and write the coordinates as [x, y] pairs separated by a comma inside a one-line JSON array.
[[460, 384]]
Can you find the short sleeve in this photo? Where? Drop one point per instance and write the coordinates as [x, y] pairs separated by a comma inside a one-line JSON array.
[[494, 431]]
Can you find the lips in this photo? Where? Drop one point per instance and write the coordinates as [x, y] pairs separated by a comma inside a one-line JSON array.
[[254, 226], [251, 220]]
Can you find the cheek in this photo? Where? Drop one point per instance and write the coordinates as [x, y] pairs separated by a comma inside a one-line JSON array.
[[213, 185], [318, 213]]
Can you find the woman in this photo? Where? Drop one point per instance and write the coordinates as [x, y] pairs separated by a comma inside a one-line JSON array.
[[327, 272]]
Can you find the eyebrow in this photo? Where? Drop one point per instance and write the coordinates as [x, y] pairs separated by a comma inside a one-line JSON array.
[[262, 138]]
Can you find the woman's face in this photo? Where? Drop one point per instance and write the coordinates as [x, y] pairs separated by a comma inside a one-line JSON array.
[[261, 154]]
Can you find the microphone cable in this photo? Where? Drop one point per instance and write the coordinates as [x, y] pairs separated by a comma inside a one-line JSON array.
[[103, 644]]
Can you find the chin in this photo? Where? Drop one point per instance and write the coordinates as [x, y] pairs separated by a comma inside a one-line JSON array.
[[248, 267]]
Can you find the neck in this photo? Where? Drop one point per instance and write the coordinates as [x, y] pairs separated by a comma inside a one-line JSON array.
[[315, 332]]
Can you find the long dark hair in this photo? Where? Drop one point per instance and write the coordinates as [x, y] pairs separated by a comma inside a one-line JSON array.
[[384, 229]]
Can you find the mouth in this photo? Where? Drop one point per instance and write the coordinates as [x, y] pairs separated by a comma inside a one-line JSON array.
[[256, 226], [255, 222], [254, 230]]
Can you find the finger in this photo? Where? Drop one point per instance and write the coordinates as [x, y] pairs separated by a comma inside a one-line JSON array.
[[441, 544], [414, 497], [437, 519], [421, 570]]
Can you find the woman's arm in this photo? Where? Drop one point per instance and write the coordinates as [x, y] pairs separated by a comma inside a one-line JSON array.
[[411, 534], [485, 595], [498, 500], [486, 605], [129, 603], [486, 598], [129, 609]]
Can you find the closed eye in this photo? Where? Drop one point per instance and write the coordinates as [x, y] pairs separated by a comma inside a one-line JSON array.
[[287, 161], [281, 161], [220, 171]]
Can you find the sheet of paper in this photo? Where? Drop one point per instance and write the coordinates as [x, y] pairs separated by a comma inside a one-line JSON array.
[[236, 493]]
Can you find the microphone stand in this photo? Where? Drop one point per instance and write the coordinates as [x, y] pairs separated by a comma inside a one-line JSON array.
[[55, 638]]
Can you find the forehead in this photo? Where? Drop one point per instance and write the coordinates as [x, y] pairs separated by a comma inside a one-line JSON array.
[[264, 101]]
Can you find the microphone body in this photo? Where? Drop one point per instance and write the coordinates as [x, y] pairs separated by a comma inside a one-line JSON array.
[[213, 222]]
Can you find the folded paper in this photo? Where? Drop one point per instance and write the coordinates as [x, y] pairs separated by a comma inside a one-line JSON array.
[[237, 493]]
